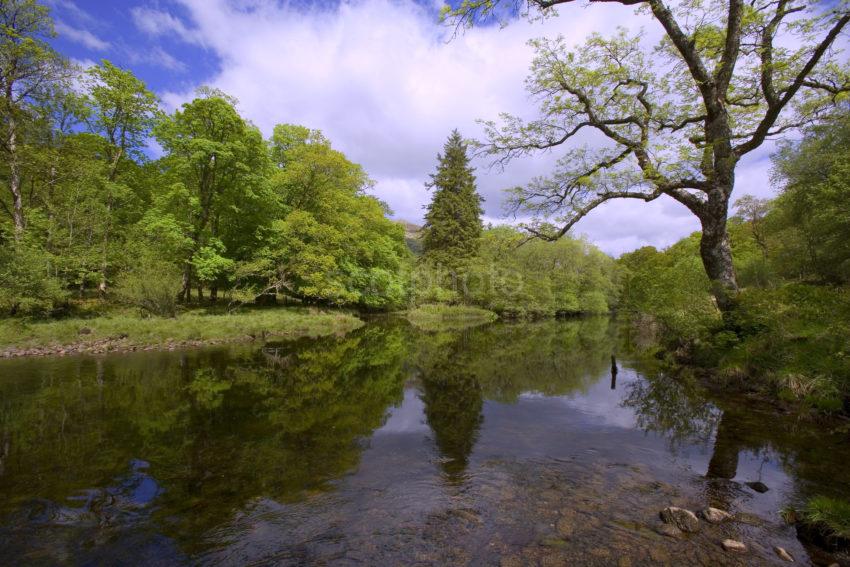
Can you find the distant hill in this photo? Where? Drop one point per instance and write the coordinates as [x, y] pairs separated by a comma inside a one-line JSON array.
[[412, 236]]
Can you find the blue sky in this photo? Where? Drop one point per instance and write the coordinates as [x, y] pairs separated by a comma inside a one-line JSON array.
[[383, 79], [91, 30]]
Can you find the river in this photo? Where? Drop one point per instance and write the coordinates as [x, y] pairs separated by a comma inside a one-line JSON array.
[[510, 443]]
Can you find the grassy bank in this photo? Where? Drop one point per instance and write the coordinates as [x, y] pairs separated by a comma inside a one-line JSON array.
[[790, 344], [436, 317], [129, 332]]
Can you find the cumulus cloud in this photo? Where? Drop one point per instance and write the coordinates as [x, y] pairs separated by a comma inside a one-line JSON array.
[[387, 83], [81, 36]]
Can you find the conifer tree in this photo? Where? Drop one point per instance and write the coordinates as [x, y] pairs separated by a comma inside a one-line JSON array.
[[453, 221]]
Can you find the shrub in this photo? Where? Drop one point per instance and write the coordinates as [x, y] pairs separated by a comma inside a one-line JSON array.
[[152, 286], [27, 286]]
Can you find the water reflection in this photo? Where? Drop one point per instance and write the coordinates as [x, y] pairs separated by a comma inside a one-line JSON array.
[[389, 445], [219, 427]]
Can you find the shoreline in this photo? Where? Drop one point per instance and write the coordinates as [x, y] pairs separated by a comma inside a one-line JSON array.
[[122, 334]]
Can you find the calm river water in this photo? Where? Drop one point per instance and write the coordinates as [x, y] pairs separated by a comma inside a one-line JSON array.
[[507, 444]]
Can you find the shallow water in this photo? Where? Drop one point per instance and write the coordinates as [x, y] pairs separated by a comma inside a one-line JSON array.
[[508, 443]]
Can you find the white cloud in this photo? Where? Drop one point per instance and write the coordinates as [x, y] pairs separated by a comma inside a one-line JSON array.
[[386, 85], [156, 57], [158, 23], [80, 36]]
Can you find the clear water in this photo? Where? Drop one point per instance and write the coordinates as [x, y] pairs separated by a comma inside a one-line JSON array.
[[508, 443]]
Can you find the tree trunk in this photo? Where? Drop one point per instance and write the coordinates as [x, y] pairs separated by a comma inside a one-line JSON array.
[[716, 253], [186, 292], [15, 178]]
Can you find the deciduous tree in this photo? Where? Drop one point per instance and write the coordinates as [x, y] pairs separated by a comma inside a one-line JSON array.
[[727, 76]]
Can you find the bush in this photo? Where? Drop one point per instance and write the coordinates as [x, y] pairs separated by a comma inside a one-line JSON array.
[[152, 287], [27, 286]]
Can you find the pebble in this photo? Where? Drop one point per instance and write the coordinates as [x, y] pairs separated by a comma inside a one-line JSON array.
[[714, 515], [783, 554], [733, 545]]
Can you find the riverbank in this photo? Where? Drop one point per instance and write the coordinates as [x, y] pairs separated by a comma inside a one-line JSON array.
[[787, 345], [438, 317], [125, 332]]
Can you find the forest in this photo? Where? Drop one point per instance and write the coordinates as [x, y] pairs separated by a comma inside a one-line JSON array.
[[110, 202]]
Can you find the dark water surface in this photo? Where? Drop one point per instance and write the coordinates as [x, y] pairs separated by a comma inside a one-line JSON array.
[[509, 443]]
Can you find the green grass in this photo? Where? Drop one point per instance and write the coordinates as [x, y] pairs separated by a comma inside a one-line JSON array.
[[439, 317], [127, 330], [830, 513]]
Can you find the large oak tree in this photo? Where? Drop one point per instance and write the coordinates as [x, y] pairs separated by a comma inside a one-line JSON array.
[[727, 76]]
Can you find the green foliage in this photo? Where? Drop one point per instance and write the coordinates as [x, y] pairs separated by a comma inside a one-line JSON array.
[[333, 243], [519, 278], [193, 326], [28, 285], [810, 221], [788, 333], [830, 513], [151, 286], [453, 221], [441, 317], [670, 285]]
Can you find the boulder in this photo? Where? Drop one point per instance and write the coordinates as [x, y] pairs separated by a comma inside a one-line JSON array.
[[758, 486], [683, 519]]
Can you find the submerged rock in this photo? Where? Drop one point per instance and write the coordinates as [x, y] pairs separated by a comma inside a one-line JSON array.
[[683, 519], [714, 515], [733, 545], [758, 486], [783, 554]]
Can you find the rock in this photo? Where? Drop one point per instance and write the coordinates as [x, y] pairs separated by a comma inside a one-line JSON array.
[[683, 519], [714, 515], [733, 545], [84, 331], [758, 486], [669, 531], [783, 554]]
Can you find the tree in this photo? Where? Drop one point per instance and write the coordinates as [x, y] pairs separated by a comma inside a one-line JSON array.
[[123, 111], [453, 221], [28, 68], [753, 211], [217, 163], [726, 77], [330, 242], [811, 217]]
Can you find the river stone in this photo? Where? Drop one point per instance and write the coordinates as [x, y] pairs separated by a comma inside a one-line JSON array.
[[758, 486], [783, 554], [714, 515], [683, 519], [733, 545]]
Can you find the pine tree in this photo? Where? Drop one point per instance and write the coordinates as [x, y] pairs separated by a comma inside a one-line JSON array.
[[453, 221]]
